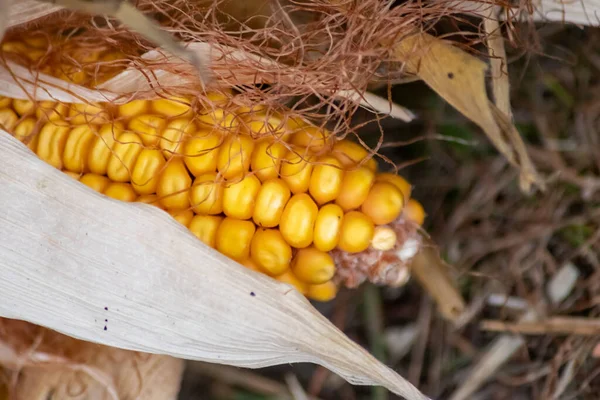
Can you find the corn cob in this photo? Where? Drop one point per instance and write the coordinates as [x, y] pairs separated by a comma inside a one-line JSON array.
[[281, 197]]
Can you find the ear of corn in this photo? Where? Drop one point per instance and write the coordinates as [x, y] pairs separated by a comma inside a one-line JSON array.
[[269, 203]]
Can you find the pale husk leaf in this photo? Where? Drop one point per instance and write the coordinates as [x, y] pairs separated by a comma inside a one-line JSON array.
[[71, 258]]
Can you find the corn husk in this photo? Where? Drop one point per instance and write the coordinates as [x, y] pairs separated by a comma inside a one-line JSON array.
[[71, 258]]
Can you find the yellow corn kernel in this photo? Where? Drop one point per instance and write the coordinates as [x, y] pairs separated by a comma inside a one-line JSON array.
[[174, 185], [77, 148], [120, 191], [239, 197], [298, 220], [355, 188], [25, 131], [184, 217], [147, 171], [328, 227], [234, 237], [97, 182], [73, 175], [38, 42], [352, 154], [149, 127], [101, 150], [202, 152], [261, 125], [296, 170], [218, 119], [174, 136], [313, 266], [251, 264], [266, 159], [173, 107], [5, 101], [326, 180], [23, 107], [414, 212], [206, 194], [270, 251], [270, 202], [398, 181], [323, 292], [133, 108], [221, 97], [51, 145], [88, 114], [204, 227], [15, 47], [311, 137], [291, 279], [51, 111], [356, 232], [8, 119], [235, 155], [384, 238], [151, 199], [125, 153], [384, 203]]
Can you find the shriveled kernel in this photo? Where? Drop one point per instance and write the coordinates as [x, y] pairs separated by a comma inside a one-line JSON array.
[[184, 217], [398, 181], [270, 251], [206, 194], [298, 220], [101, 150], [291, 279], [384, 203], [352, 154], [326, 180], [384, 238], [52, 111], [313, 266], [266, 159], [23, 107], [234, 237], [147, 171], [125, 153], [8, 119], [235, 155], [355, 188], [239, 197], [311, 137], [25, 131], [296, 170], [151, 199], [77, 148], [172, 107], [133, 108], [270, 203], [97, 182], [202, 152], [357, 232], [149, 127], [120, 191], [323, 292], [328, 227], [415, 212], [88, 114], [204, 227], [174, 185], [51, 145], [174, 136]]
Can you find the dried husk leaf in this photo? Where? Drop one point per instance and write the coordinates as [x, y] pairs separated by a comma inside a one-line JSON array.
[[70, 258], [460, 79], [24, 11]]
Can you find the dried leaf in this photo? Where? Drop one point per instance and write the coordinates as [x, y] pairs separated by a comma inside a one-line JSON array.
[[24, 11], [498, 64], [460, 79], [71, 258]]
